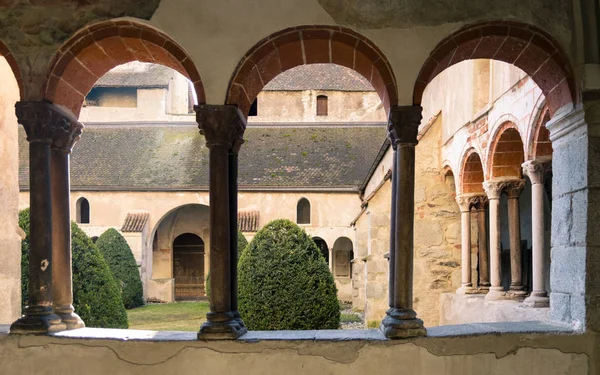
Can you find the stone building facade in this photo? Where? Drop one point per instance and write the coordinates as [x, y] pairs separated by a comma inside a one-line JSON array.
[[230, 51]]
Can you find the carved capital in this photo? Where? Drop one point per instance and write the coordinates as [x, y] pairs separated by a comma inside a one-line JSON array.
[[493, 189], [536, 170], [466, 202], [46, 122], [403, 124], [221, 125], [514, 188], [480, 202]]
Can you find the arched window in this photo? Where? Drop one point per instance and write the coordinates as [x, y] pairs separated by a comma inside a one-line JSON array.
[[321, 105], [303, 211], [83, 211], [254, 108]]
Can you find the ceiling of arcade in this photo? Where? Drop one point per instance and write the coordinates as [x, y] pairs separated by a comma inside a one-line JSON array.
[[217, 34]]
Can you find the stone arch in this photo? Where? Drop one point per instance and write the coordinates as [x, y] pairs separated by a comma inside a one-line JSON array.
[[343, 253], [98, 48], [14, 66], [540, 146], [323, 247], [471, 176], [506, 152], [302, 45], [525, 46]]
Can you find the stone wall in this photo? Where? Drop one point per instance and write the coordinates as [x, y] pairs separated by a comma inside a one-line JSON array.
[[10, 233]]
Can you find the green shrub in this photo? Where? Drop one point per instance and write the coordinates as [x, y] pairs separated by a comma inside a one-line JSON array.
[[242, 243], [96, 296], [122, 264], [284, 282]]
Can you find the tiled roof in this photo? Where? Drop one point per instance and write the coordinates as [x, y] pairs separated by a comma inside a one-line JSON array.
[[135, 221], [154, 75], [319, 77], [248, 221], [174, 157]]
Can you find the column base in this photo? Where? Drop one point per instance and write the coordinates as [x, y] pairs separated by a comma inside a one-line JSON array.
[[466, 289], [516, 293], [38, 320], [495, 294], [537, 299], [68, 316], [222, 326], [402, 324]]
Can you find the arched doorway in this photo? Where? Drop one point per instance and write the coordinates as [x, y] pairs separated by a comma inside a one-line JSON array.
[[322, 245], [188, 267]]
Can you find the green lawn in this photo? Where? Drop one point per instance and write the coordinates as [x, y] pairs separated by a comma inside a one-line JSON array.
[[178, 316]]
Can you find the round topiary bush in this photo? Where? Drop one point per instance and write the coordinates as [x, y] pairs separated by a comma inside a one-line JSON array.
[[122, 264], [284, 282], [242, 243], [96, 296]]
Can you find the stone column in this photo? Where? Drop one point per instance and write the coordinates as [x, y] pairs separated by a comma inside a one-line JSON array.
[[465, 202], [222, 126], [392, 258], [484, 272], [513, 190], [233, 224], [536, 171], [401, 320], [493, 189], [41, 122], [62, 276]]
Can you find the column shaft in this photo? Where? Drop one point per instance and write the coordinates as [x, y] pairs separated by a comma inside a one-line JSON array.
[[514, 189], [392, 258], [496, 289], [62, 276], [484, 279], [465, 219]]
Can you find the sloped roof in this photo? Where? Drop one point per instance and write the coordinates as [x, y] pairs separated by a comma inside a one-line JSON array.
[[248, 221], [135, 221], [174, 157], [319, 77], [153, 76]]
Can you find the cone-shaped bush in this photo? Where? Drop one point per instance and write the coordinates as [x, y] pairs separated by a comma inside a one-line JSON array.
[[242, 243], [284, 282], [96, 296], [120, 259]]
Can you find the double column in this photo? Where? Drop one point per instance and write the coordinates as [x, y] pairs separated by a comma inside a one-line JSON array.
[[401, 320], [536, 171], [466, 203], [223, 127], [51, 133]]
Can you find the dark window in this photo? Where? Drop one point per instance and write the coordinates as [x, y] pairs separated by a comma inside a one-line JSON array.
[[254, 108], [303, 212], [322, 245], [321, 105], [83, 211]]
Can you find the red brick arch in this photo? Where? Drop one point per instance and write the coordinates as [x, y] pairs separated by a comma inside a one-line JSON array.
[[93, 51], [10, 59], [525, 46], [541, 146], [306, 45], [507, 152], [471, 179]]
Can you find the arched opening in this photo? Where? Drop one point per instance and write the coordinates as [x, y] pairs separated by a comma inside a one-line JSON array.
[[321, 105], [525, 46], [303, 211], [507, 153], [343, 254], [542, 146], [472, 175], [83, 211], [188, 267], [322, 245], [82, 60], [302, 45]]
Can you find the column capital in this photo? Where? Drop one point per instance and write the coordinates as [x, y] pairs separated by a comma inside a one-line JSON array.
[[493, 189], [403, 124], [467, 201], [536, 170], [514, 188], [48, 123], [221, 125]]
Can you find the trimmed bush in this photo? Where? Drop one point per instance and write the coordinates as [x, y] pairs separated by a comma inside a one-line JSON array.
[[122, 264], [285, 283], [96, 296], [242, 243]]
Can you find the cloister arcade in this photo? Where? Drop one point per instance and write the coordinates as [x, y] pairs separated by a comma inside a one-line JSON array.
[[563, 136]]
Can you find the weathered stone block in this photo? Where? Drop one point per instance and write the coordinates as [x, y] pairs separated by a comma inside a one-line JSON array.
[[579, 213], [568, 270], [375, 290], [453, 232], [428, 233], [560, 307], [561, 221], [570, 162]]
